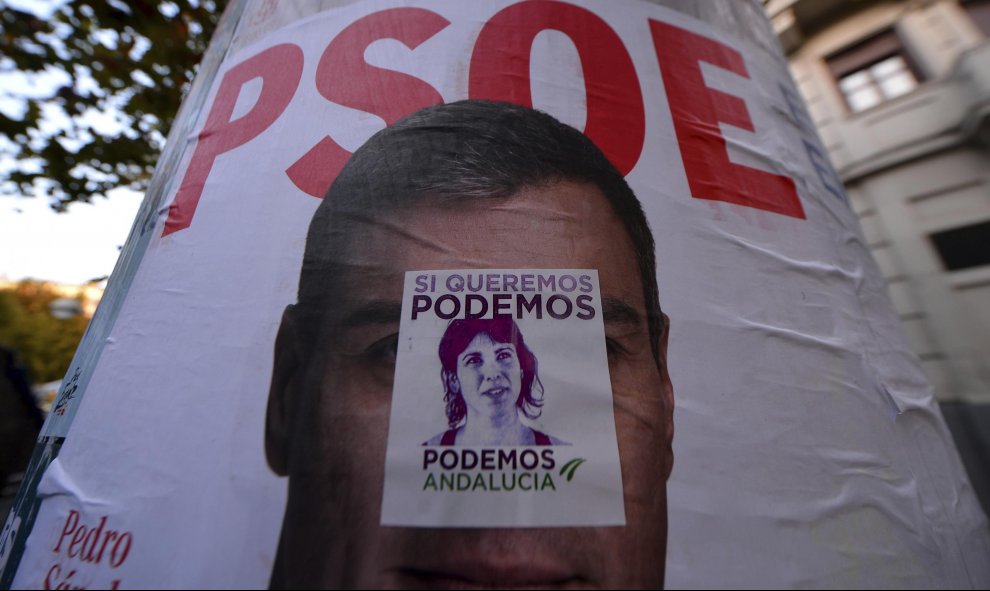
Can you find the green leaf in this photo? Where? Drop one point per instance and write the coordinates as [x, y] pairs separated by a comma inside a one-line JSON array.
[[570, 467]]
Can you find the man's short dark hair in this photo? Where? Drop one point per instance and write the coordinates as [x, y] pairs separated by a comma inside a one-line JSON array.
[[469, 149]]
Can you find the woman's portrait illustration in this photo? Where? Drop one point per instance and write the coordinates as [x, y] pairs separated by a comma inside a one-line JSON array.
[[492, 387]]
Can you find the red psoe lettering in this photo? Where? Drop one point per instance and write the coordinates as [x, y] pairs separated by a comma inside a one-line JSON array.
[[343, 77], [697, 111], [500, 71], [280, 68]]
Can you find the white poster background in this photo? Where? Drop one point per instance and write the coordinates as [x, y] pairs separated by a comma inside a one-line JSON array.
[[809, 450]]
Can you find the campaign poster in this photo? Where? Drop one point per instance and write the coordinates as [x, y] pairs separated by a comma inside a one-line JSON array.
[[501, 394], [266, 398]]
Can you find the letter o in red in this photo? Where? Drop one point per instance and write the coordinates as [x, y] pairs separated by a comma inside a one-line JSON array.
[[119, 554], [500, 71]]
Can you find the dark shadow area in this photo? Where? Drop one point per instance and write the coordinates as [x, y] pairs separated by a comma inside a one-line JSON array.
[[970, 426]]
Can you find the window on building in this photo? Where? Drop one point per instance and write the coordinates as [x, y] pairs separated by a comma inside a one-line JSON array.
[[965, 247], [873, 71], [875, 84]]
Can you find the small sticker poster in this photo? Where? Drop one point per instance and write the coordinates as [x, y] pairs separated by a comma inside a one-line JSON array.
[[502, 406]]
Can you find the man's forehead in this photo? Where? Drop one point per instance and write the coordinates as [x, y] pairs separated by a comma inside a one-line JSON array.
[[537, 227], [565, 225]]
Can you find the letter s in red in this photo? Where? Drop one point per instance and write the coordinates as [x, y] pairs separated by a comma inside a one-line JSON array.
[[343, 77]]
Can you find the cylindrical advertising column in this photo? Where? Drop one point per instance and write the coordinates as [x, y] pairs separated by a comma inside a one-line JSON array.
[[509, 293]]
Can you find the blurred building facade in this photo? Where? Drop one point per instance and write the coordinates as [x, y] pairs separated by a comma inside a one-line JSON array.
[[900, 93]]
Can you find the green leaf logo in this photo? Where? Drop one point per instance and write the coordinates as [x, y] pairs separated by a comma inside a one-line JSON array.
[[570, 467]]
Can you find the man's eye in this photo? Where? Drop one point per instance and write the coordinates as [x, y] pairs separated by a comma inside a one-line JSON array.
[[384, 349], [613, 349]]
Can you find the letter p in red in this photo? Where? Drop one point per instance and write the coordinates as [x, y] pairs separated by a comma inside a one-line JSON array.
[[280, 68]]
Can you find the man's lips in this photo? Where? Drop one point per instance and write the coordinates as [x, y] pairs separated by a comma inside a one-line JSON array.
[[483, 574]]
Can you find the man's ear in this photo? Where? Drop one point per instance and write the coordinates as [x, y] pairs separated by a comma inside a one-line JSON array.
[[287, 370], [668, 396]]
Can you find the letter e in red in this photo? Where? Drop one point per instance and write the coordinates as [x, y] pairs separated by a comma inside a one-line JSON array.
[[697, 111]]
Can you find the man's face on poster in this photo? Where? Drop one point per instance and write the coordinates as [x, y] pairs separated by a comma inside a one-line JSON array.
[[330, 421]]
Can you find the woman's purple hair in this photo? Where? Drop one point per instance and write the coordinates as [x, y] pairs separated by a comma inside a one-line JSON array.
[[459, 335]]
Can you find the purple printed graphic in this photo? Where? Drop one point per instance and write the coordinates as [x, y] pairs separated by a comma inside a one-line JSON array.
[[491, 382], [502, 412]]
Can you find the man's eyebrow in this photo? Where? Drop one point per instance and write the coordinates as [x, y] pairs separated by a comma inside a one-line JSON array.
[[373, 313], [615, 311]]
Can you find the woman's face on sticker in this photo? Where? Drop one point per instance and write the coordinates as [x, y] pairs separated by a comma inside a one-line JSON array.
[[489, 378], [338, 428]]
